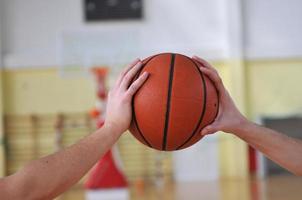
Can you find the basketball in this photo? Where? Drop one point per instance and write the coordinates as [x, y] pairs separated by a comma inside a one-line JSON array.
[[174, 104]]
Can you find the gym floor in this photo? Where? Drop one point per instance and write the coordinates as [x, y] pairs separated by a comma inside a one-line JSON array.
[[283, 187]]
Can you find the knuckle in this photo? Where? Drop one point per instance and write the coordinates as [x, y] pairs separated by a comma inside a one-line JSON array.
[[127, 77], [133, 87], [215, 71]]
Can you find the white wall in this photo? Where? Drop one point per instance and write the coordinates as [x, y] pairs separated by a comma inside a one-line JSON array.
[[33, 27], [273, 28], [199, 162], [270, 28], [1, 30]]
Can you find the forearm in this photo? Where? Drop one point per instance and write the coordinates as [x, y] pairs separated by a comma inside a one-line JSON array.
[[49, 176], [52, 175], [280, 148], [283, 150]]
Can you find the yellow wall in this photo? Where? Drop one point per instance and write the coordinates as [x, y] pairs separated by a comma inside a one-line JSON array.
[[233, 151], [274, 88], [30, 91], [42, 91]]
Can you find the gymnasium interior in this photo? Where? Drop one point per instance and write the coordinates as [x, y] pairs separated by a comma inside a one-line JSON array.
[[59, 58]]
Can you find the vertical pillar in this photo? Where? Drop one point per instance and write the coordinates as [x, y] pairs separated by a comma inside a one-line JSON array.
[[233, 151], [2, 154]]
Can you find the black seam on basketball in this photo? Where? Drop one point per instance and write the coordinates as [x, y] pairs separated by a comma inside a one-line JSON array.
[[218, 102], [133, 110], [171, 74], [139, 131], [204, 106]]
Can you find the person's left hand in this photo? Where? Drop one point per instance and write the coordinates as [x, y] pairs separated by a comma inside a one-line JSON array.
[[119, 111]]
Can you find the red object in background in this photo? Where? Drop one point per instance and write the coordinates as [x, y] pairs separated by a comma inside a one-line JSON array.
[[101, 93], [100, 74], [94, 113], [106, 175], [252, 160]]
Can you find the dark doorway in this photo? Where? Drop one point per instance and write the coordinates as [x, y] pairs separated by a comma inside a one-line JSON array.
[[291, 126]]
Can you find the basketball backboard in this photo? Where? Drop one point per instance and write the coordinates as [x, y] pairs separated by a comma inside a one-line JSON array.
[[79, 51]]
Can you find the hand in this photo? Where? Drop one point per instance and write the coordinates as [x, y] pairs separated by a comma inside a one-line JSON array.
[[119, 111], [229, 119]]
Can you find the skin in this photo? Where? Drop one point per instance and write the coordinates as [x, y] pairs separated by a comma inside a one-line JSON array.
[[280, 148], [50, 176]]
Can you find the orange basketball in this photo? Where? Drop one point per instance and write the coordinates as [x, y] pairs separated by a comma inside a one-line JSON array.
[[174, 104]]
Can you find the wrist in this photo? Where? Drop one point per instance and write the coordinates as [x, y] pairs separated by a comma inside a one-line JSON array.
[[242, 128], [113, 128]]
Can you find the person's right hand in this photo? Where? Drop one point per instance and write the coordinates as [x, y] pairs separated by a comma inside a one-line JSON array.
[[229, 119]]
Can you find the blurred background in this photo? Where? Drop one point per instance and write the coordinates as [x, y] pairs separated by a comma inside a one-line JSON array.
[[49, 97]]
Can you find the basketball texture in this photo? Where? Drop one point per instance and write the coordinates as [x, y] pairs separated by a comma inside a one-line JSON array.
[[174, 104]]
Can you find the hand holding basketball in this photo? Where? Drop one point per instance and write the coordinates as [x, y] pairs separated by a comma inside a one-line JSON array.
[[229, 119], [119, 112]]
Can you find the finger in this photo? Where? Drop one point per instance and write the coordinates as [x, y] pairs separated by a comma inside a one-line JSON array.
[[130, 75], [215, 78], [137, 84], [210, 129], [203, 62], [206, 131], [125, 71]]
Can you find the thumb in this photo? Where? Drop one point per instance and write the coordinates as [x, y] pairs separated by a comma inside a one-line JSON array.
[[210, 129]]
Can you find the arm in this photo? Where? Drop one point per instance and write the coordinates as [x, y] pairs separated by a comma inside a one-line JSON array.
[[280, 148], [50, 176]]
